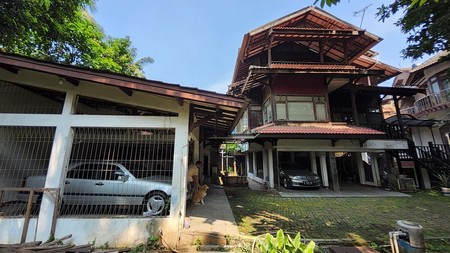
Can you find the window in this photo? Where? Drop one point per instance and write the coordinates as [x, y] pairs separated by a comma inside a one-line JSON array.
[[438, 83], [255, 116], [267, 112], [301, 108], [84, 171]]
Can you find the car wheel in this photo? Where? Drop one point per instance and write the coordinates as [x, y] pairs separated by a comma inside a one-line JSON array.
[[155, 203], [286, 183]]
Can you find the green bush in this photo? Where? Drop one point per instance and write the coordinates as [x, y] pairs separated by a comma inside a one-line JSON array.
[[284, 244]]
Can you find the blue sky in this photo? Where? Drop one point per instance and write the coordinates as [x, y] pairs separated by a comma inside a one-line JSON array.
[[195, 42]]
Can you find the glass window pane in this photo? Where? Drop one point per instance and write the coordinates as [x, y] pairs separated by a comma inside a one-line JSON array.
[[281, 111], [299, 98], [300, 111], [321, 112]]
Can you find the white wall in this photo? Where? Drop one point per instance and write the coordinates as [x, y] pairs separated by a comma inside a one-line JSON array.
[[115, 232], [423, 135]]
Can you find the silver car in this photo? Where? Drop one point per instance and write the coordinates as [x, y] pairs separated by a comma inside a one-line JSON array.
[[295, 175], [109, 183]]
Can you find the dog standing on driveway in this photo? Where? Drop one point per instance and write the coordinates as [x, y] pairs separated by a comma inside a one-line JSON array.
[[200, 195]]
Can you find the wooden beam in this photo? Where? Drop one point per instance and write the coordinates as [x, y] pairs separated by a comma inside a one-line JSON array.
[[321, 51], [127, 91], [73, 81], [354, 106], [9, 68], [399, 116], [200, 122], [345, 46], [334, 172], [269, 51], [180, 101]]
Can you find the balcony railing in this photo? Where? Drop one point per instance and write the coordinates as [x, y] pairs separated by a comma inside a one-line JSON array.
[[429, 102], [392, 131]]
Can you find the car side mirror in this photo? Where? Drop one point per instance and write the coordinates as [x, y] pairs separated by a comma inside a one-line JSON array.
[[123, 178]]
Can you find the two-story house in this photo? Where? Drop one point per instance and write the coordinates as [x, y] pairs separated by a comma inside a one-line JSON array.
[[315, 101], [431, 112]]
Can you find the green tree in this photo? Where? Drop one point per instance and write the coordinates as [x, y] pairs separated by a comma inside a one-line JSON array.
[[426, 22], [64, 32]]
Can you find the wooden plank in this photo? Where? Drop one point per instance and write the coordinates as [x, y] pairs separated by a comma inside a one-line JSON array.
[[46, 249], [56, 241], [55, 214], [27, 217], [20, 245]]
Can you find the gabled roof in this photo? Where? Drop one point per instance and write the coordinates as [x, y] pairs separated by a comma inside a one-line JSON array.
[[310, 25], [316, 23], [212, 110]]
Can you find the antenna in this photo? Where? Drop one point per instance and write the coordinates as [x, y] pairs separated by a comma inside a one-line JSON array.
[[363, 10]]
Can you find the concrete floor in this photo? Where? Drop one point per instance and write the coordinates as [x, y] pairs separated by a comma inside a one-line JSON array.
[[348, 190], [213, 223]]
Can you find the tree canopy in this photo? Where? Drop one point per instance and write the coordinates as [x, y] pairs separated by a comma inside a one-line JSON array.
[[64, 32], [426, 22]]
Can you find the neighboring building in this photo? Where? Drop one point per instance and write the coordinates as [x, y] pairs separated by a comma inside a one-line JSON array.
[[431, 75], [430, 113], [79, 129], [312, 81]]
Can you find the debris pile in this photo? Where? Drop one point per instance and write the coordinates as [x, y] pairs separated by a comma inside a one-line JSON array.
[[54, 246]]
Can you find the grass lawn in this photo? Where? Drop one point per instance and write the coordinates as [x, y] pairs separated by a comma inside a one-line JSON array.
[[360, 219]]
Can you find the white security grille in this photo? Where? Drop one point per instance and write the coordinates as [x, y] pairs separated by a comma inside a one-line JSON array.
[[111, 172], [24, 154], [116, 171]]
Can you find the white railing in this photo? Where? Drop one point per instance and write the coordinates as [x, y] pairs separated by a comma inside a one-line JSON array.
[[428, 102], [410, 110]]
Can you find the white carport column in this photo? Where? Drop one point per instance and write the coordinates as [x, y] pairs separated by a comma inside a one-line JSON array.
[[312, 156], [180, 164], [59, 158], [56, 173], [270, 164], [323, 167], [360, 165]]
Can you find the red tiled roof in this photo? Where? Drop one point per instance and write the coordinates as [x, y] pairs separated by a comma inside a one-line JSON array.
[[316, 129]]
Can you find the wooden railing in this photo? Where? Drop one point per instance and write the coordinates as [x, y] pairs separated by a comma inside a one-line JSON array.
[[392, 131], [31, 196]]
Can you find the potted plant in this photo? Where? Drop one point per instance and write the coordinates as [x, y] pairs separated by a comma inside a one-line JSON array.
[[443, 179]]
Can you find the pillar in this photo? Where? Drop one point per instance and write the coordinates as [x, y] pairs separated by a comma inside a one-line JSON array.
[[312, 156], [360, 165], [375, 171], [334, 172], [323, 167]]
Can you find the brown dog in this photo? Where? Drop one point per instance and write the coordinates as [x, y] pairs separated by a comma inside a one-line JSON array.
[[200, 195]]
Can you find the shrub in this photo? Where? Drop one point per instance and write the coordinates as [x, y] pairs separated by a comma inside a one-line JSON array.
[[284, 244]]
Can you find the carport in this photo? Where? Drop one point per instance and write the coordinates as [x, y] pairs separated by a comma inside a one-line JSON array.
[[55, 116]]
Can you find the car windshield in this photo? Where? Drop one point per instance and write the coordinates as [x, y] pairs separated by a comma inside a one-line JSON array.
[[292, 167]]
